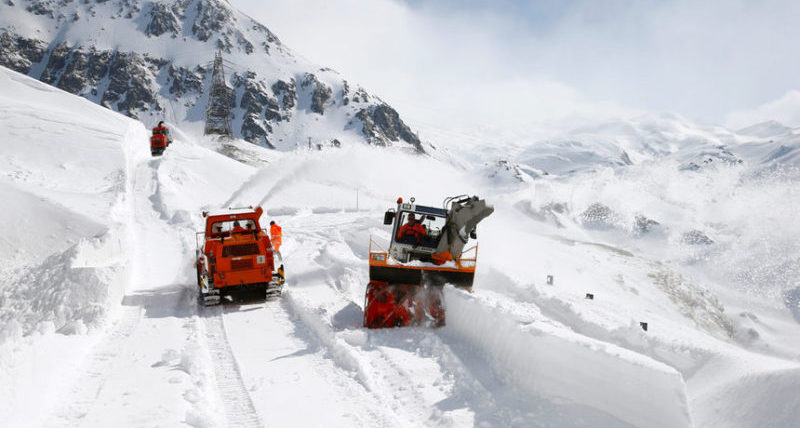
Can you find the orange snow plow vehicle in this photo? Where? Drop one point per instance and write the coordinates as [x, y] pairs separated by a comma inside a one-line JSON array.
[[235, 257], [159, 140], [426, 251]]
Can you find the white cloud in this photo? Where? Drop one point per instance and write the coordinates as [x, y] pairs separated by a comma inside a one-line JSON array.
[[785, 110], [456, 62]]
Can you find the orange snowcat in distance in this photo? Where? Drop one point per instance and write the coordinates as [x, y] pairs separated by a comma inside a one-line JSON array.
[[235, 257], [426, 251], [159, 140]]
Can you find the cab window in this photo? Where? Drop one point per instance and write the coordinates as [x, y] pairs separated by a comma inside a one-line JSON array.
[[432, 225], [224, 228]]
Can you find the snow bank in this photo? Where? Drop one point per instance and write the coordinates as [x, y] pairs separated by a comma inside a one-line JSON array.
[[767, 399], [65, 179], [44, 229], [69, 291], [553, 363]]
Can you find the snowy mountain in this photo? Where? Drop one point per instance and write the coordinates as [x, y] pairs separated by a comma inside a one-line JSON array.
[[640, 272], [618, 144], [100, 324], [151, 60], [767, 129]]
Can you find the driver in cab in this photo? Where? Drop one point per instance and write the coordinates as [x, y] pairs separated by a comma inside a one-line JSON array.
[[412, 231]]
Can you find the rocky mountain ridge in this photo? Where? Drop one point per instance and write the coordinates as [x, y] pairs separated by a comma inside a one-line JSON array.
[[151, 60]]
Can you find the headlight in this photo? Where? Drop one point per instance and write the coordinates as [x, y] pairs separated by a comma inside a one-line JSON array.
[[379, 257]]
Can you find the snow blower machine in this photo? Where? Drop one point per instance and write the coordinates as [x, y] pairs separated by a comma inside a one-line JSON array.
[[159, 140], [426, 251], [235, 257]]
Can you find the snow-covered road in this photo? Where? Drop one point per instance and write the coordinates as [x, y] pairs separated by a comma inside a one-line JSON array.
[[101, 325], [164, 359]]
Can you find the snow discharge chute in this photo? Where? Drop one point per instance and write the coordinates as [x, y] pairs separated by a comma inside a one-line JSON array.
[[462, 219], [426, 251]]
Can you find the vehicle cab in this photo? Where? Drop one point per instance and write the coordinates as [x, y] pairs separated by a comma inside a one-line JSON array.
[[407, 247]]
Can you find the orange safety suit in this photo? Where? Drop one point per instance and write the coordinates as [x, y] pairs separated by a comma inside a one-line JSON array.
[[275, 236], [416, 231]]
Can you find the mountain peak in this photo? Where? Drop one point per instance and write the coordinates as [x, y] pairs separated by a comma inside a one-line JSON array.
[[766, 129], [151, 61]]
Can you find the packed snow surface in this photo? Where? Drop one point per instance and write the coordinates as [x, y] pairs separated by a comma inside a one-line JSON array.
[[691, 233]]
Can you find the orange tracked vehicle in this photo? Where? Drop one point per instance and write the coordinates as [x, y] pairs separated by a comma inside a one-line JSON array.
[[235, 257], [426, 251], [159, 140]]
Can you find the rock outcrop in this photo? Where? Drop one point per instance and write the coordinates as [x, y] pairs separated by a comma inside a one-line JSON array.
[[151, 59]]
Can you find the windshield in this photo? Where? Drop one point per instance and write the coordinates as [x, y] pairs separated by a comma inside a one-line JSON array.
[[425, 230], [226, 227]]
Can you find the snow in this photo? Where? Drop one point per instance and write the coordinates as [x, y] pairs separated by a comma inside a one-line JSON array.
[[549, 362], [106, 26], [100, 323], [418, 263]]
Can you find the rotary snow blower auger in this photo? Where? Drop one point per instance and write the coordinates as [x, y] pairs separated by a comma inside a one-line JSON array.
[[426, 252], [235, 257]]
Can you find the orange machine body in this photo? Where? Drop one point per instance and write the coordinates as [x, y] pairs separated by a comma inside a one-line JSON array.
[[159, 140], [236, 254]]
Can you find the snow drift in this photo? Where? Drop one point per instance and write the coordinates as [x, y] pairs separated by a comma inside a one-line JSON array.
[[66, 163]]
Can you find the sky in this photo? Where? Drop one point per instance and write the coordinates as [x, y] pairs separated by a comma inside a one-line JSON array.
[[513, 63]]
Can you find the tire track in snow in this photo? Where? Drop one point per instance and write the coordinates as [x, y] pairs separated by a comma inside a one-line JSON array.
[[98, 366], [388, 363], [407, 395], [125, 342], [228, 390], [292, 354], [465, 379], [218, 364], [239, 409], [375, 378], [116, 349], [103, 358]]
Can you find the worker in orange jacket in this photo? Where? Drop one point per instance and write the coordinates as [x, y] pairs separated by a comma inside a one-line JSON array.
[[237, 228], [275, 236], [411, 231]]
